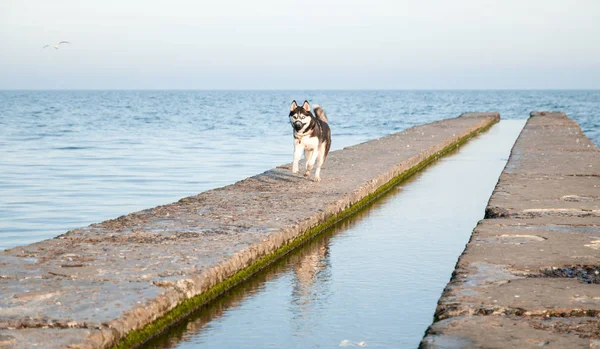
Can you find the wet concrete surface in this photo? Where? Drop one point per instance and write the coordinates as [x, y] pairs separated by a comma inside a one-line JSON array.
[[374, 277], [529, 276], [92, 286]]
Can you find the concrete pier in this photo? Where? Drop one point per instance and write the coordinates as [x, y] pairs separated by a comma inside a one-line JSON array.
[[118, 282], [529, 276]]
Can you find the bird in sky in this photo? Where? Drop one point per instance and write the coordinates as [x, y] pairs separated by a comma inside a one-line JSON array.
[[57, 45]]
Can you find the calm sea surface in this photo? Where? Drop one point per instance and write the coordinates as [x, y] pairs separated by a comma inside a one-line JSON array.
[[71, 158]]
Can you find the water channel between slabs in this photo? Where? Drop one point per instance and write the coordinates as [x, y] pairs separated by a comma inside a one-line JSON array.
[[374, 278]]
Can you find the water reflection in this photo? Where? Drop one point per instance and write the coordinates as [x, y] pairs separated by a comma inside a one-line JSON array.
[[311, 269]]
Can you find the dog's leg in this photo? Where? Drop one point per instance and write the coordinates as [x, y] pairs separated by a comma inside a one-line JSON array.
[[308, 156], [310, 163], [297, 154], [321, 154]]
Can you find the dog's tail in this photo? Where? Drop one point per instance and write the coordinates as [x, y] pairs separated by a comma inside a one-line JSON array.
[[320, 113]]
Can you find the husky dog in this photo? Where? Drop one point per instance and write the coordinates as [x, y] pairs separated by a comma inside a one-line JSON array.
[[311, 134]]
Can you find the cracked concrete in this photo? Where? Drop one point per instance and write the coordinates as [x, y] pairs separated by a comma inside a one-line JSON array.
[[529, 276], [91, 287]]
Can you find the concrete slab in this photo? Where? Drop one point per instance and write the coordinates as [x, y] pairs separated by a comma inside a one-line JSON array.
[[521, 196], [46, 337], [529, 248], [479, 332], [129, 277], [529, 275]]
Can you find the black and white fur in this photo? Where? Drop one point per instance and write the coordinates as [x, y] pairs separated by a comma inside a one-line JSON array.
[[311, 135]]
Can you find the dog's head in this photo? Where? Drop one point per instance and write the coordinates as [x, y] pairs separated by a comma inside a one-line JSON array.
[[300, 117]]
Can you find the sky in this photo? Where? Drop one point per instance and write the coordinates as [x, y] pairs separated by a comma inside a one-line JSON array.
[[309, 44]]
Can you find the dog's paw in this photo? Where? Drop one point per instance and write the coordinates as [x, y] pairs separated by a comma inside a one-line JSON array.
[[294, 170], [317, 178], [307, 173]]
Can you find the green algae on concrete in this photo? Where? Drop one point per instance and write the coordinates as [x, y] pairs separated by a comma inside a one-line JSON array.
[[528, 276], [126, 279]]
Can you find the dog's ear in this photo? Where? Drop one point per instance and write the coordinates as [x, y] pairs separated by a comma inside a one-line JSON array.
[[293, 106], [306, 106]]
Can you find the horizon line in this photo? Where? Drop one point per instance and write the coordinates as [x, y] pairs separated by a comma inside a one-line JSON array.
[[295, 89]]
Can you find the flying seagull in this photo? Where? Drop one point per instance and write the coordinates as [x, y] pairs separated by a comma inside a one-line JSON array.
[[57, 45]]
